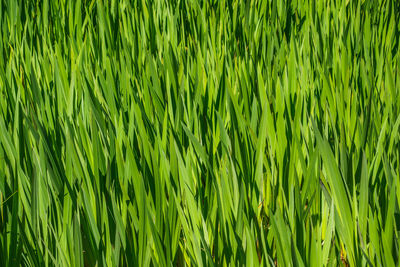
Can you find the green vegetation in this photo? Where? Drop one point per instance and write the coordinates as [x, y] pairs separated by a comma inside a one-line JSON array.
[[199, 133]]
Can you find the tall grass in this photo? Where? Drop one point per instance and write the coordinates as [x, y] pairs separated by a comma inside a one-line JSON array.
[[199, 133]]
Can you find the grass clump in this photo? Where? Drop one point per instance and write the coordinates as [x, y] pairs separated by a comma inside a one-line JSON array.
[[199, 133]]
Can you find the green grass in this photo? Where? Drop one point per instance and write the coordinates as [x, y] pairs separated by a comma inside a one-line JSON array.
[[199, 133]]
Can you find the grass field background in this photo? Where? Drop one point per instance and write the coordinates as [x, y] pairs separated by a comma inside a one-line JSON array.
[[199, 133]]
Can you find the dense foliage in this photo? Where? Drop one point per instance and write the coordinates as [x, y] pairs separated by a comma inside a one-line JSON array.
[[199, 133]]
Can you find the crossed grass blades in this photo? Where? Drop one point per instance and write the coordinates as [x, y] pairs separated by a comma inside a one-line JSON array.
[[199, 133]]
